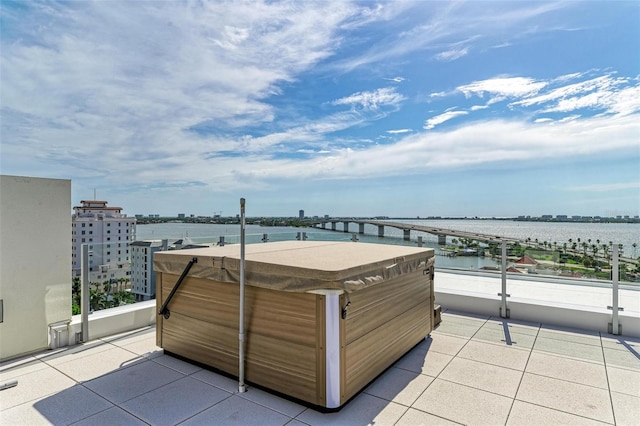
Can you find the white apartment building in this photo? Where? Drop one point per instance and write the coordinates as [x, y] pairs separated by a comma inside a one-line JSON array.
[[108, 233], [143, 279]]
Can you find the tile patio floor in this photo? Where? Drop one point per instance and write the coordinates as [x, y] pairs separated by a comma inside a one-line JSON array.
[[471, 370]]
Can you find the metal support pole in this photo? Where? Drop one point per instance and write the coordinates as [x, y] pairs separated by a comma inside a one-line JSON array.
[[241, 385], [84, 292], [615, 321], [504, 311]]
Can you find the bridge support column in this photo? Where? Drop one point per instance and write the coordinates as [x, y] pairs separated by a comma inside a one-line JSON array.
[[361, 228], [333, 226], [442, 240], [380, 231], [407, 234], [346, 226], [323, 225]]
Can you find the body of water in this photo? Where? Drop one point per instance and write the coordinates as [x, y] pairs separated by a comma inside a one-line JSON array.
[[619, 233]]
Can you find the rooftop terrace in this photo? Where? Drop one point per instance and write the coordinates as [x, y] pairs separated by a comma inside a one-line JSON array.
[[473, 369]]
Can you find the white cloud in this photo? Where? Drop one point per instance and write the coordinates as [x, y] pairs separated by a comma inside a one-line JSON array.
[[444, 26], [605, 93], [452, 54], [606, 187], [479, 107], [398, 131], [439, 119], [396, 79], [387, 96], [474, 144], [502, 87]]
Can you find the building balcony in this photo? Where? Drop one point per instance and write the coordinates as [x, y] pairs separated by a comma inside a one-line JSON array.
[[474, 368]]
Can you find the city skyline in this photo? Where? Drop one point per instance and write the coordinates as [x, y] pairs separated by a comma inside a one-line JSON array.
[[400, 109]]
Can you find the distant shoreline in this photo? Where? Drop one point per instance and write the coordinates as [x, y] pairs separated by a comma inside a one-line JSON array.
[[293, 221]]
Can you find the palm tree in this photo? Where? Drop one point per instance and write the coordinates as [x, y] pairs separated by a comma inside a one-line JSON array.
[[634, 245]]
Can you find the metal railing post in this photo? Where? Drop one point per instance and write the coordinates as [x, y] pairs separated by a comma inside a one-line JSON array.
[[504, 311], [84, 291], [614, 327], [241, 333]]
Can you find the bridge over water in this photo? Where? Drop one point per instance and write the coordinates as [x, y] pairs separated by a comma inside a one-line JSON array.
[[408, 227], [442, 233]]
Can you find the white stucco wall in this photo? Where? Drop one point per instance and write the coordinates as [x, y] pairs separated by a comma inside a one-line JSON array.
[[35, 260]]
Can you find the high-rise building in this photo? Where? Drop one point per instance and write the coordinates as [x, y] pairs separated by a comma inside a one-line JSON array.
[[143, 278], [108, 233], [301, 214]]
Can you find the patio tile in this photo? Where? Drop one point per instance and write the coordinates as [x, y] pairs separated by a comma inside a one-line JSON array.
[[571, 370], [442, 343], [624, 381], [523, 413], [622, 359], [179, 365], [623, 343], [145, 347], [453, 315], [457, 329], [575, 350], [110, 417], [429, 363], [74, 353], [364, 409], [294, 422], [64, 407], [33, 386], [511, 338], [463, 404], [626, 409], [159, 407], [99, 364], [20, 366], [503, 356], [568, 334], [275, 403], [459, 325], [491, 378], [127, 383], [131, 336], [237, 411], [217, 380], [573, 398], [415, 417], [400, 386], [514, 326]]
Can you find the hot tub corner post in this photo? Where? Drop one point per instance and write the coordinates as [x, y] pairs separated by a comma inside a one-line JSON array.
[[241, 354]]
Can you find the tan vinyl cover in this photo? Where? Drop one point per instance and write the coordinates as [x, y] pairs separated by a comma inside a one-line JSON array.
[[300, 266]]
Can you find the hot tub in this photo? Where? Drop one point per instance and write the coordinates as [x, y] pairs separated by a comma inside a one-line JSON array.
[[323, 319]]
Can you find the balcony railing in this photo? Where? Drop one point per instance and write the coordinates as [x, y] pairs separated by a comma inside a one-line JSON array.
[[505, 281]]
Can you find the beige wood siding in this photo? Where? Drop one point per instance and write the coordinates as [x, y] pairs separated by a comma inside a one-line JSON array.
[[383, 323], [284, 337]]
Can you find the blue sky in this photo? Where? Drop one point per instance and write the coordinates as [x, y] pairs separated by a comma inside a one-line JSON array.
[[340, 108]]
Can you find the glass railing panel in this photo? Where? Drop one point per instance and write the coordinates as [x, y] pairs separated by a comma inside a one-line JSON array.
[[549, 272]]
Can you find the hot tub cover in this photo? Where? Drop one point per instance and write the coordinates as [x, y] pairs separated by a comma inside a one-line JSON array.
[[300, 266]]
